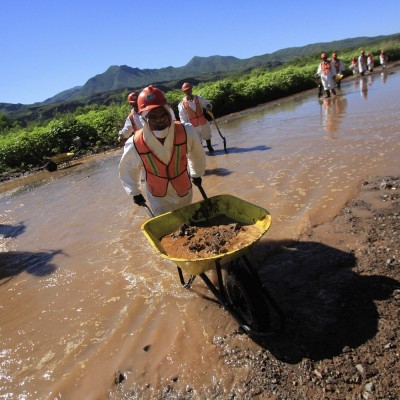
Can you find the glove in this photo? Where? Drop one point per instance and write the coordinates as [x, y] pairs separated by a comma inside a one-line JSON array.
[[197, 181], [208, 107], [139, 200]]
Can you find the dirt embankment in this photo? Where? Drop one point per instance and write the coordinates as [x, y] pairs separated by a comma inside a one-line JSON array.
[[342, 304]]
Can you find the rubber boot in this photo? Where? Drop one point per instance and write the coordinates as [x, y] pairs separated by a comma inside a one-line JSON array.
[[209, 147], [328, 94]]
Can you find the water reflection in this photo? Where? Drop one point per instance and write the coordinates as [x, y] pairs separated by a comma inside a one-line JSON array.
[[383, 77], [332, 110], [364, 87], [371, 79]]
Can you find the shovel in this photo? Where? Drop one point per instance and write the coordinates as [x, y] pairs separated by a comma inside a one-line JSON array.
[[216, 125]]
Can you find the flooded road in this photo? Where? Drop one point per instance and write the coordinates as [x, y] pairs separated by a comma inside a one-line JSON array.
[[83, 294]]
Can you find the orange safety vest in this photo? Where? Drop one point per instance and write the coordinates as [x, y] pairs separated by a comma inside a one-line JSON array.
[[195, 117], [132, 113], [325, 66], [158, 174]]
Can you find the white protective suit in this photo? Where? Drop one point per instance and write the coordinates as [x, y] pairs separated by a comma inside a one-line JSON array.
[[327, 77], [127, 130], [383, 59], [131, 167], [370, 63], [204, 131], [339, 66], [362, 64]]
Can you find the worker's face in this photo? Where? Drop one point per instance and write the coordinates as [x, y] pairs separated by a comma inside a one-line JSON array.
[[188, 92], [158, 119]]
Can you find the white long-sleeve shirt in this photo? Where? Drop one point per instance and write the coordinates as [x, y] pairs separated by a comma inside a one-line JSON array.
[[128, 129], [339, 66], [131, 167]]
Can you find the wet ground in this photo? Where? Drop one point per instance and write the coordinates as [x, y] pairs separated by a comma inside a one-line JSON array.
[[86, 301]]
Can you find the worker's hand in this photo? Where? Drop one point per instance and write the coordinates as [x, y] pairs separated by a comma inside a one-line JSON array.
[[208, 107], [197, 181], [139, 200]]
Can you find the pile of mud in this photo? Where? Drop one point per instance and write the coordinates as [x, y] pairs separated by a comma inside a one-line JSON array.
[[217, 235]]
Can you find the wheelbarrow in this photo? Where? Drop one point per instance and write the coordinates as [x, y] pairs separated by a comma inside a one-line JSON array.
[[62, 158], [240, 290]]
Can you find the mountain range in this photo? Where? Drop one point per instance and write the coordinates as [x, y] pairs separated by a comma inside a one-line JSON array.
[[107, 86]]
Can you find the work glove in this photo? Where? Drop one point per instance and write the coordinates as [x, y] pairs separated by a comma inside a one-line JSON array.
[[197, 181], [139, 200]]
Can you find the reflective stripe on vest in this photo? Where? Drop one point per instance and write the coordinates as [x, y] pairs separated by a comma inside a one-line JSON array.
[[159, 174], [195, 117]]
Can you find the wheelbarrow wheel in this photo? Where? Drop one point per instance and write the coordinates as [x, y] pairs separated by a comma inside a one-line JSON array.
[[51, 166], [247, 298]]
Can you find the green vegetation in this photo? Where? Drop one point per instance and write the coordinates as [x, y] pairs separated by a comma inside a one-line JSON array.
[[24, 148]]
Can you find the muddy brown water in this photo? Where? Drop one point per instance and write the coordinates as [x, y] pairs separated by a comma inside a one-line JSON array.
[[82, 292]]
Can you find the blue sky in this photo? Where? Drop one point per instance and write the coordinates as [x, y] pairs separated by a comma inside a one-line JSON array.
[[48, 46]]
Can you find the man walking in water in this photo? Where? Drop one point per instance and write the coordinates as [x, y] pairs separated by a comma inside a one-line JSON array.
[[191, 111]]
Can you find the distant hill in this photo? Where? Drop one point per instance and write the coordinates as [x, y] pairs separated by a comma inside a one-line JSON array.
[[124, 77], [107, 86]]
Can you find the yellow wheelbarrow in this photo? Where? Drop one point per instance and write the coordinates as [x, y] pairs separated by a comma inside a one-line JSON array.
[[240, 290], [62, 158]]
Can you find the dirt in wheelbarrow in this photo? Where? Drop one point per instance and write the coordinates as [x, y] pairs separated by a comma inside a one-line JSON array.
[[339, 288], [215, 236]]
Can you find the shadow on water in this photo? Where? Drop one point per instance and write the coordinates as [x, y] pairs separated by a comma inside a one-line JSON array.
[[237, 150], [218, 172], [11, 231], [15, 262], [326, 305]]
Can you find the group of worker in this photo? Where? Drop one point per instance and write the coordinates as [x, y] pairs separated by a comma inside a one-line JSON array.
[[170, 152], [330, 72]]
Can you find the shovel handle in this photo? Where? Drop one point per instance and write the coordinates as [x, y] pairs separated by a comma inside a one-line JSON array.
[[216, 125]]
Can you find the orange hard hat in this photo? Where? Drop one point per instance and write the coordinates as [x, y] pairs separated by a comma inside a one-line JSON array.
[[186, 86], [323, 55], [132, 97], [151, 97]]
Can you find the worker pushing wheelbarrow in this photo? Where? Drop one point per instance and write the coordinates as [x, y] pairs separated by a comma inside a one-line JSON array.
[[172, 159]]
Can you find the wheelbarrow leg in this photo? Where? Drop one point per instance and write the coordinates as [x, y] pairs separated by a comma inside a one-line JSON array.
[[222, 298], [266, 293], [187, 284]]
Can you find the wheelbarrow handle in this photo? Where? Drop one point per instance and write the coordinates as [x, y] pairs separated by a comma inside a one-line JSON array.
[[151, 214], [203, 193], [148, 209]]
